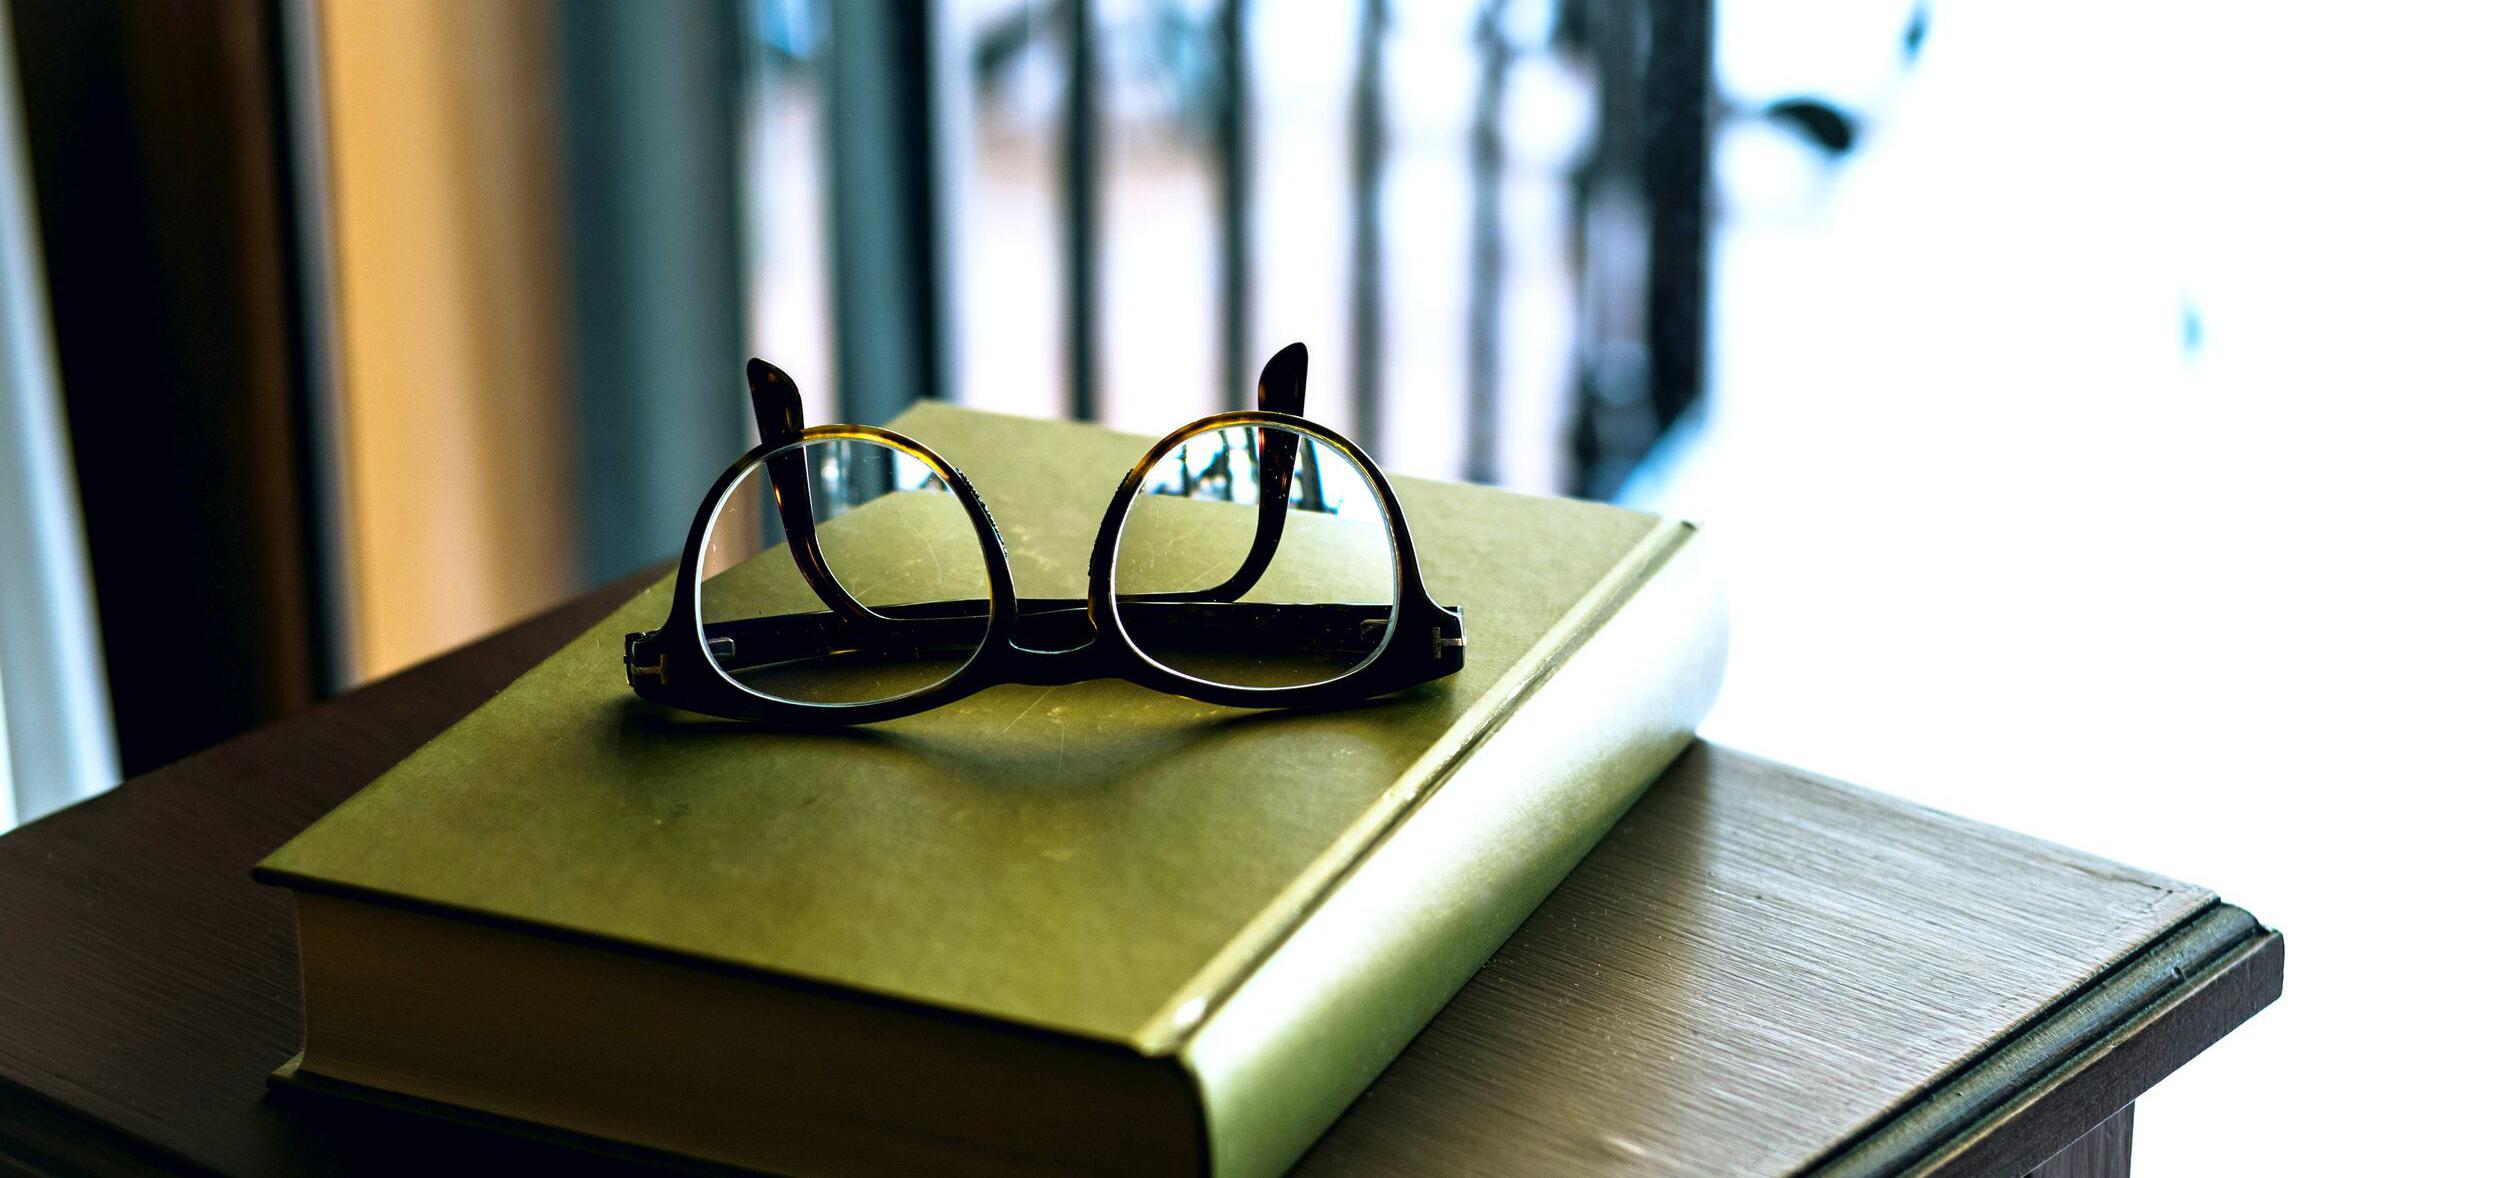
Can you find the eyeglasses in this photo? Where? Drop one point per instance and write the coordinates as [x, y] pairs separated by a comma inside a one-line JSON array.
[[846, 574]]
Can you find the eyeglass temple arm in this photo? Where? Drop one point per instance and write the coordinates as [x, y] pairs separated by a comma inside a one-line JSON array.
[[778, 419], [1281, 385]]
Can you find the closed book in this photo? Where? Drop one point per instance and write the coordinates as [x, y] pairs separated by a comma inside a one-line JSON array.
[[1082, 928]]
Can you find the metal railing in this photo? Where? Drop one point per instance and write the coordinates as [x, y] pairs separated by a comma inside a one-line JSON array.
[[1634, 236]]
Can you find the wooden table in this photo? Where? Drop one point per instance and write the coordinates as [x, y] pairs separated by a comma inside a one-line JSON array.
[[1758, 971]]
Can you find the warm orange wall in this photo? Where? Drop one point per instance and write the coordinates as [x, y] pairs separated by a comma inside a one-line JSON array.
[[446, 197]]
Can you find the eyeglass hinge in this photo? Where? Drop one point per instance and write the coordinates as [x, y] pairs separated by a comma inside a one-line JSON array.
[[636, 670]]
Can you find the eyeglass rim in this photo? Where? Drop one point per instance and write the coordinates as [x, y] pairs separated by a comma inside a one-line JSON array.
[[959, 490], [1104, 564]]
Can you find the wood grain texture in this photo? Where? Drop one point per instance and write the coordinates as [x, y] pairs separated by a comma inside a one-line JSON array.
[[1754, 970], [1755, 967], [1965, 1100], [2199, 1010], [2108, 1151]]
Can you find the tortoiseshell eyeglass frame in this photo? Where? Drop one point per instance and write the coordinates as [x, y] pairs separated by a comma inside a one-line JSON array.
[[1038, 641]]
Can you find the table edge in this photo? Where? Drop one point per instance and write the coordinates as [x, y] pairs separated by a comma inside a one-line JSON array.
[[2078, 1063]]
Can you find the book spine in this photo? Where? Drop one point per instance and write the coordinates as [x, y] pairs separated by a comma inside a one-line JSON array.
[[1317, 1019]]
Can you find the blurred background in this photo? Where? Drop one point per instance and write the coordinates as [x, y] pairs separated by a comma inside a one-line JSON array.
[[2093, 403]]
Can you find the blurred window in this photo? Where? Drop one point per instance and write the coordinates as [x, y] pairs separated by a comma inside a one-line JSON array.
[[1450, 202]]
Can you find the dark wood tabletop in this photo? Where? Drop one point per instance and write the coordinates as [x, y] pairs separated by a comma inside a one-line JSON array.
[[1757, 971]]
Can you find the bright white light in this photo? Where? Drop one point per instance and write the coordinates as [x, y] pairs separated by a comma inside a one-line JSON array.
[[2006, 544]]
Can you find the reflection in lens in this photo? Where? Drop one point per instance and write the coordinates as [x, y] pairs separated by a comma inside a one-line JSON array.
[[885, 592], [1256, 556]]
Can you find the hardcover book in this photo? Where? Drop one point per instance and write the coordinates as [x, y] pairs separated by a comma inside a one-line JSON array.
[[1083, 928]]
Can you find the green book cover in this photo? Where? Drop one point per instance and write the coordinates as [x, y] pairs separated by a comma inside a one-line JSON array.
[[1092, 861]]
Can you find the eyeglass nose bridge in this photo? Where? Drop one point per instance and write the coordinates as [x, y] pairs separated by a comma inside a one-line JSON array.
[[1054, 666]]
